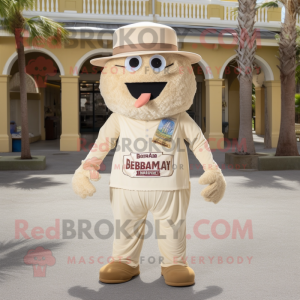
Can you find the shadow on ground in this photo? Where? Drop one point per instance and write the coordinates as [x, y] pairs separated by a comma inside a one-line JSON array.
[[12, 254], [137, 289], [25, 181]]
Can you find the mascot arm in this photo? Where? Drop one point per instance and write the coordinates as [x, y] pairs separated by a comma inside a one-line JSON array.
[[88, 170], [198, 144]]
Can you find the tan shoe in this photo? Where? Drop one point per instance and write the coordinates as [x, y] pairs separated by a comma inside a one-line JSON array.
[[178, 275], [117, 272]]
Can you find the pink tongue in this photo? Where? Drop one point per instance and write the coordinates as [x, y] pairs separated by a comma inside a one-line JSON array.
[[143, 99]]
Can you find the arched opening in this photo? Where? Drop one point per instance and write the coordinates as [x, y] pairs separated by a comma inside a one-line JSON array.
[[11, 61], [197, 110], [230, 100], [43, 100]]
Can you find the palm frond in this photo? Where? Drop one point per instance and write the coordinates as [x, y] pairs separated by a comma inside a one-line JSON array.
[[4, 8], [16, 6], [270, 4], [41, 29], [234, 12], [297, 74], [11, 12], [6, 25]]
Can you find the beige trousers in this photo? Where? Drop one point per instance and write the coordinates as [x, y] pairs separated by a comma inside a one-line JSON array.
[[130, 210]]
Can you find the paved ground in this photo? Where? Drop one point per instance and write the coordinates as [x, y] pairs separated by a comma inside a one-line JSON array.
[[263, 266]]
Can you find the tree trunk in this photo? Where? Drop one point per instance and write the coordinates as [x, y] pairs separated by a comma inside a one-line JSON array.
[[287, 144], [245, 60], [267, 139], [25, 151]]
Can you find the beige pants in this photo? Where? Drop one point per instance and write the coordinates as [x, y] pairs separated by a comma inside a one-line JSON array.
[[169, 210]]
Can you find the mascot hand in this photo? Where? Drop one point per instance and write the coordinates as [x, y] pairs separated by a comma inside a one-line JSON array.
[[217, 184], [86, 172]]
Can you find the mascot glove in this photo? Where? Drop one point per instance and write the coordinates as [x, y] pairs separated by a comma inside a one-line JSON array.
[[217, 185], [86, 172]]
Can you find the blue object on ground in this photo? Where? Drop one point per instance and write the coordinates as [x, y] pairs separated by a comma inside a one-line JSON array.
[[16, 145]]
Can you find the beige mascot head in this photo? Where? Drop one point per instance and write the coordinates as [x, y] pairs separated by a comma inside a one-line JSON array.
[[147, 80]]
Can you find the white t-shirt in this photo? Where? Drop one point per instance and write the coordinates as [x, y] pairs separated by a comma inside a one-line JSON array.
[[141, 164]]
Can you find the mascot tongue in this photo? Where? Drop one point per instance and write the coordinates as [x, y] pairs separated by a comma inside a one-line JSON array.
[[142, 100]]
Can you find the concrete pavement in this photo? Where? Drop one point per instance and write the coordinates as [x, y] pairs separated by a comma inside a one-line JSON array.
[[260, 263]]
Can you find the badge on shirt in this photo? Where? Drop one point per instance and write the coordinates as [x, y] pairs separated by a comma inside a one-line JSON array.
[[164, 132], [148, 164]]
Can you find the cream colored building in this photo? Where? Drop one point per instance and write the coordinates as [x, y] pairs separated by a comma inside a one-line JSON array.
[[67, 85]]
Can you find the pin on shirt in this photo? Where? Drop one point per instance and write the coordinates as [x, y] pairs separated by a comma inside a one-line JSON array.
[[164, 132]]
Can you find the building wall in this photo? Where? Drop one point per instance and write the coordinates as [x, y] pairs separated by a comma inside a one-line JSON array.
[[68, 55], [213, 10], [77, 5], [214, 59]]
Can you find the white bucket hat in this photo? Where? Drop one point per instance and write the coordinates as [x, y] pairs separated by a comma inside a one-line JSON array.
[[144, 38]]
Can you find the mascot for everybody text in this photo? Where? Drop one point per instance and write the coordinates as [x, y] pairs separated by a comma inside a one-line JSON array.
[[149, 86]]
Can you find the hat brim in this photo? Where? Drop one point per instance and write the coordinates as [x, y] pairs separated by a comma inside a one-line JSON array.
[[101, 61]]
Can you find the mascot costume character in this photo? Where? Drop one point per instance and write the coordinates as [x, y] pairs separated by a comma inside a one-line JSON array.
[[149, 85]]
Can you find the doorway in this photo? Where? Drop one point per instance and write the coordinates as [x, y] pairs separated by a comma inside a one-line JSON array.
[[195, 110], [93, 111]]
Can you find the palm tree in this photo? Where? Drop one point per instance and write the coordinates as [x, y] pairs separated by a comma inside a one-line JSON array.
[[287, 144], [246, 35], [38, 31]]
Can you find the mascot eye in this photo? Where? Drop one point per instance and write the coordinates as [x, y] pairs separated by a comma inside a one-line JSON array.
[[133, 63], [157, 63]]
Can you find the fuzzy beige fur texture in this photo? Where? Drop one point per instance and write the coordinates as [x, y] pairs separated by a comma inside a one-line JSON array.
[[176, 97], [81, 183], [217, 185]]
